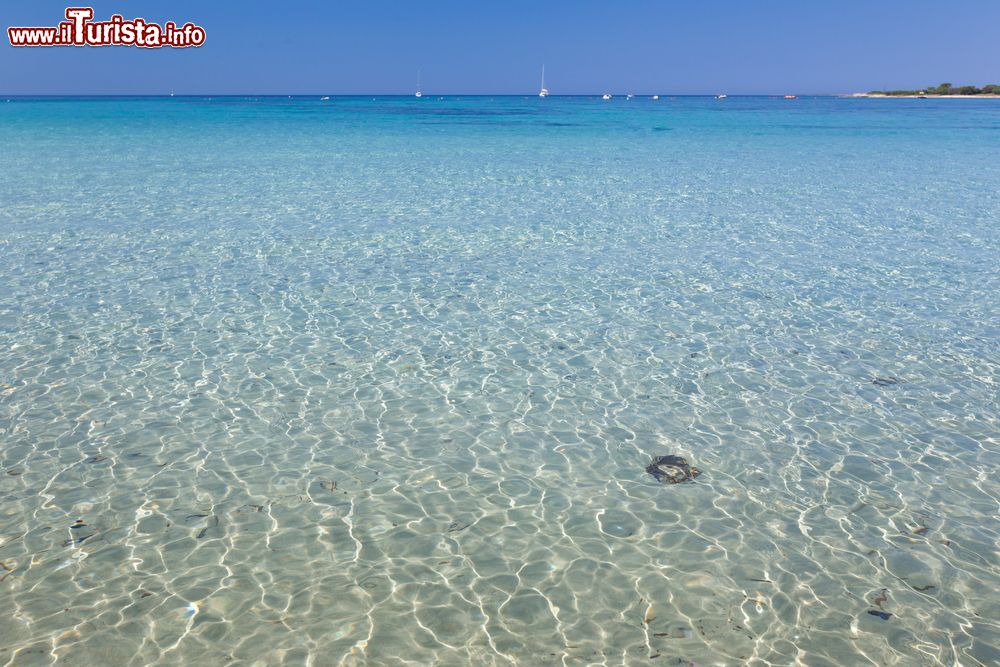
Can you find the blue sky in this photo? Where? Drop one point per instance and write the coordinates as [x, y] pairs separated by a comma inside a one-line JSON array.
[[498, 46]]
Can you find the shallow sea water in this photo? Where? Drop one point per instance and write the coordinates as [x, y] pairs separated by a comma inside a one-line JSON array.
[[374, 382]]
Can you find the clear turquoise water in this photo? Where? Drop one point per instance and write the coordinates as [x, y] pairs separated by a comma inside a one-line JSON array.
[[375, 381]]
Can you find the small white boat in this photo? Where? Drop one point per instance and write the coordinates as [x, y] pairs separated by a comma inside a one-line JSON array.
[[606, 96], [629, 96], [544, 92], [656, 97], [418, 93], [323, 99], [721, 97]]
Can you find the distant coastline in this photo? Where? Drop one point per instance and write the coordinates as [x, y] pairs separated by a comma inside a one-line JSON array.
[[987, 96], [937, 92]]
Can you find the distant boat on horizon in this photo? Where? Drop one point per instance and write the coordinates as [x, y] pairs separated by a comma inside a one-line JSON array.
[[721, 97], [655, 97], [418, 93], [791, 97], [544, 92], [606, 96]]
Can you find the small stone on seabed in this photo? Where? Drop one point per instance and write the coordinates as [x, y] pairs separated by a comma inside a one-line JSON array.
[[672, 470]]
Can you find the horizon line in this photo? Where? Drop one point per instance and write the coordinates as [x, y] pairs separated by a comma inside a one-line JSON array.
[[410, 94]]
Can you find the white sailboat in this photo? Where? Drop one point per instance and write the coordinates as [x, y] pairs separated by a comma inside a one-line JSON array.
[[606, 96], [418, 93], [544, 92]]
